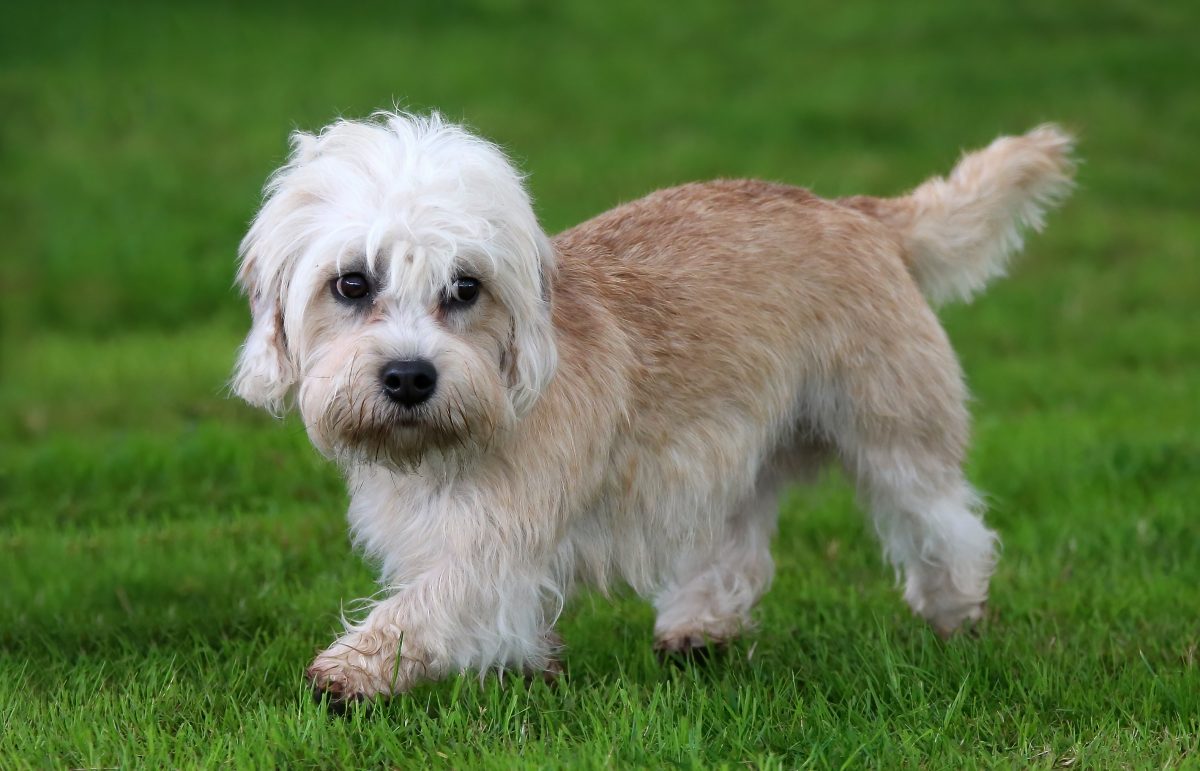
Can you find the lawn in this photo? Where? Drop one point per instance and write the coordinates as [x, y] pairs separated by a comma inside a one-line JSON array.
[[170, 559]]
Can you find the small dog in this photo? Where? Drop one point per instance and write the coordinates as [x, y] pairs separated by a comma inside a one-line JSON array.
[[517, 415]]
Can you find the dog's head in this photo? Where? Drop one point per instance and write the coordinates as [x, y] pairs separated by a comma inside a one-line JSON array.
[[399, 284]]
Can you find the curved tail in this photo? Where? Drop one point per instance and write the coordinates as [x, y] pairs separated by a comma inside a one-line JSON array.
[[959, 232]]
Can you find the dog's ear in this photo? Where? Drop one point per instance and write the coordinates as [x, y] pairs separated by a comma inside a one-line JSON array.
[[264, 374], [266, 370], [532, 357]]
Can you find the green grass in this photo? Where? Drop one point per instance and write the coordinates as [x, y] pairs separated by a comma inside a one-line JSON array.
[[170, 559]]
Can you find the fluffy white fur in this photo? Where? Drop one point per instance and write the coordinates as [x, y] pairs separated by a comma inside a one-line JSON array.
[[624, 403], [416, 189]]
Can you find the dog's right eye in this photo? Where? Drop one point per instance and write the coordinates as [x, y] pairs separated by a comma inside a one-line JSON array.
[[352, 286]]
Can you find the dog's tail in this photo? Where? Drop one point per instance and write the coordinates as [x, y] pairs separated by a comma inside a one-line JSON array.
[[959, 232]]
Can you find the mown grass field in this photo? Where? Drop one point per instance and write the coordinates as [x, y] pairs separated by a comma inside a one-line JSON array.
[[171, 559]]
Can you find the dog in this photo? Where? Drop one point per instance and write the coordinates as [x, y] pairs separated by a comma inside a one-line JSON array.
[[518, 415]]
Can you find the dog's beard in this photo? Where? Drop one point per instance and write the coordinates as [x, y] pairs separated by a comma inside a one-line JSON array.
[[357, 426]]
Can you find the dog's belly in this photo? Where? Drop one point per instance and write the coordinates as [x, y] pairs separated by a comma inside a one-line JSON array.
[[663, 501]]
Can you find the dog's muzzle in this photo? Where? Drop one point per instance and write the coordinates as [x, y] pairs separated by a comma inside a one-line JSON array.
[[408, 382]]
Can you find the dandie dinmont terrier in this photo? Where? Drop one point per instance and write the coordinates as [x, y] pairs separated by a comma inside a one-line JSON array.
[[518, 414]]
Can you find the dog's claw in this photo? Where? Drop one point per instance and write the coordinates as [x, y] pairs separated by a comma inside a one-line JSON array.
[[687, 649], [337, 702], [551, 675], [555, 668]]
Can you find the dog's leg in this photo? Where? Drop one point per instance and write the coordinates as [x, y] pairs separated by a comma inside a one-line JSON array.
[[716, 585], [465, 613], [932, 531], [904, 439]]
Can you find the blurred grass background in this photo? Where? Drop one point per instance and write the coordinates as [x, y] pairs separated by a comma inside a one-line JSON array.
[[170, 559]]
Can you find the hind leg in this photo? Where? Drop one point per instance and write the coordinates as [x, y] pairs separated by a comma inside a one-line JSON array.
[[928, 519], [904, 440], [717, 584]]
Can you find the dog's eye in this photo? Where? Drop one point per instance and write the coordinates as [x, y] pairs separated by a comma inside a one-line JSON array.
[[463, 292], [352, 286]]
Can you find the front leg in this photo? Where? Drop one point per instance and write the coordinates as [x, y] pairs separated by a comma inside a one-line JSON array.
[[468, 614], [372, 657]]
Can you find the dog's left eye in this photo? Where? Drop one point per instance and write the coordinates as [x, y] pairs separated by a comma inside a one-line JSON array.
[[352, 286], [463, 292]]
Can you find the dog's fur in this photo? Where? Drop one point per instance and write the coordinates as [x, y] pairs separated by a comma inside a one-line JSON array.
[[625, 401]]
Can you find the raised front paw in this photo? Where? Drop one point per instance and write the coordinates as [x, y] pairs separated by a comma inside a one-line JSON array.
[[359, 667]]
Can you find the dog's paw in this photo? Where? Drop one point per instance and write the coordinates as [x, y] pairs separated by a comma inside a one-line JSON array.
[[357, 668], [339, 685], [959, 620], [684, 647], [336, 698], [948, 605], [554, 671]]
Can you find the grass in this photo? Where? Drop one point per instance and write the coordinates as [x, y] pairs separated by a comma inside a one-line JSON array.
[[170, 559]]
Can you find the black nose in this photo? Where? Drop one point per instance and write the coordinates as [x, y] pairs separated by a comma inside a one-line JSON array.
[[408, 382]]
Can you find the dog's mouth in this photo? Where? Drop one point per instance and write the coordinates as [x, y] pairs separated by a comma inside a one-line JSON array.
[[407, 421], [386, 432], [364, 426], [403, 424]]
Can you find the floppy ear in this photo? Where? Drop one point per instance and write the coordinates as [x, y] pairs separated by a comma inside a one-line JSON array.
[[264, 374], [265, 371], [532, 358]]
